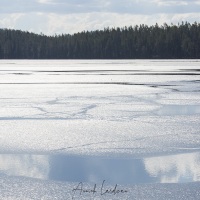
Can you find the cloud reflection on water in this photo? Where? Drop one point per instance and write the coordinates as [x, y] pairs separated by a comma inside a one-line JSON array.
[[175, 168], [163, 169], [33, 166]]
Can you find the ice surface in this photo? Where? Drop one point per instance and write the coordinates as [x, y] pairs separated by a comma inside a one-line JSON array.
[[111, 108], [13, 188]]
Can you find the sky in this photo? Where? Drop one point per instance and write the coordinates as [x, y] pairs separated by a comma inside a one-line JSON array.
[[52, 17]]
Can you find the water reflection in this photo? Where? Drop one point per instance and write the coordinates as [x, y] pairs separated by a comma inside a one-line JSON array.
[[172, 110], [34, 166], [174, 169], [165, 169], [87, 169]]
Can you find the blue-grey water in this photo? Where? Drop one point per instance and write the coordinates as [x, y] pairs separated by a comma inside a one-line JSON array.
[[178, 168]]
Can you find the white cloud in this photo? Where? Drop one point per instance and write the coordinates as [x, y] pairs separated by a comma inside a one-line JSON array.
[[70, 16], [71, 23], [197, 2], [88, 6], [44, 1], [10, 21], [33, 22], [170, 2]]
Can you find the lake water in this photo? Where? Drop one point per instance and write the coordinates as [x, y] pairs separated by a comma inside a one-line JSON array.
[[124, 121], [180, 168]]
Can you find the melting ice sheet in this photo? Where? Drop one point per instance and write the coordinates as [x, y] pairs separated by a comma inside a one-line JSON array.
[[180, 168]]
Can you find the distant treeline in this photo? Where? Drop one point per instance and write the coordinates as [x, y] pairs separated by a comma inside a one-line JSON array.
[[138, 42]]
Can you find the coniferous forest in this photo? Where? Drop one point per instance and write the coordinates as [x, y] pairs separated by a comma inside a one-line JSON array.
[[138, 42]]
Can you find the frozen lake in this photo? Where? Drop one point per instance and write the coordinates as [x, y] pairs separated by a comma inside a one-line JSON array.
[[68, 125]]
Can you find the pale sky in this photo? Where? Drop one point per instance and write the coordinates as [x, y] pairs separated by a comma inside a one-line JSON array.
[[71, 16]]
